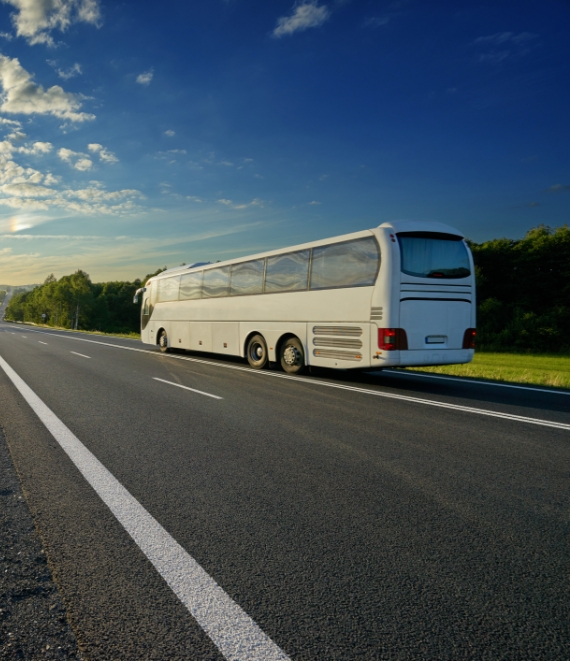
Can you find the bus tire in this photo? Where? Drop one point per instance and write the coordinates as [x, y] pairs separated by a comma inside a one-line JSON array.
[[292, 356], [257, 352], [163, 342]]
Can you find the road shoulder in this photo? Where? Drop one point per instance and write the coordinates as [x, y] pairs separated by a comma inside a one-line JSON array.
[[33, 620]]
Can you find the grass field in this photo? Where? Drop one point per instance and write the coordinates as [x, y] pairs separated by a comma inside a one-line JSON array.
[[543, 370]]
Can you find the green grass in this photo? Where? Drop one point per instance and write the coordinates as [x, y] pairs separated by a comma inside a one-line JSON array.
[[538, 369]]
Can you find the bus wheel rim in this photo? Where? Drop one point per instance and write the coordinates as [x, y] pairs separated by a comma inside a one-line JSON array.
[[291, 355]]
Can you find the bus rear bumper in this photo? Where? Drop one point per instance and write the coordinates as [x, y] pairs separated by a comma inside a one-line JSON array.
[[425, 357]]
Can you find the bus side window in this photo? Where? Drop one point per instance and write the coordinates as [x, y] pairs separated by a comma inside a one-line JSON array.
[[347, 264], [168, 289], [145, 306], [247, 278], [216, 282], [191, 286], [288, 272]]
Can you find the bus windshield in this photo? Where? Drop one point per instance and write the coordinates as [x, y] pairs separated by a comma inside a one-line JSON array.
[[433, 255]]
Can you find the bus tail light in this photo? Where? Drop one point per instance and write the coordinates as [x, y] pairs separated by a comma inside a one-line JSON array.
[[469, 338], [392, 339]]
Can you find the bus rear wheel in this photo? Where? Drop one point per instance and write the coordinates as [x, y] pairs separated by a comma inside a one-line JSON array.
[[257, 352], [292, 356], [163, 342]]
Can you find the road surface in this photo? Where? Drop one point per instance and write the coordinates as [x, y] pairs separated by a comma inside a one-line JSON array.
[[193, 508]]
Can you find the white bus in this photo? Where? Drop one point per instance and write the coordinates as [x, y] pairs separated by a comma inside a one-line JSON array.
[[401, 294]]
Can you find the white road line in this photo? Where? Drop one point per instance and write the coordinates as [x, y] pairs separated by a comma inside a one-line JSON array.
[[484, 383], [45, 343], [80, 354], [178, 385], [231, 629], [328, 384]]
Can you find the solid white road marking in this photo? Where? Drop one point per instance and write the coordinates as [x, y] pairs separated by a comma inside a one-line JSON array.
[[484, 383], [200, 392], [231, 629], [43, 343], [328, 384], [80, 354]]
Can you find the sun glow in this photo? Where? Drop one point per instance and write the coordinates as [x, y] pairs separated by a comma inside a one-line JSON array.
[[17, 224]]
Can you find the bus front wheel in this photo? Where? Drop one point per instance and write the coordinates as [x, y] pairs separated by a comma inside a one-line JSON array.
[[163, 342], [292, 356], [257, 352]]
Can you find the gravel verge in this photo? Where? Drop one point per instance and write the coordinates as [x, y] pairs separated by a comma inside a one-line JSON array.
[[33, 623]]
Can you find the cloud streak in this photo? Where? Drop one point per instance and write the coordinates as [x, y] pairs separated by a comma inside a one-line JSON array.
[[305, 15], [503, 45]]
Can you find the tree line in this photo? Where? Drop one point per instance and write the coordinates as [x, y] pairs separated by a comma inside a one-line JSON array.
[[523, 292], [74, 301]]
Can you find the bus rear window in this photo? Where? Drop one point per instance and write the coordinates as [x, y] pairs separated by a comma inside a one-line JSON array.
[[433, 255]]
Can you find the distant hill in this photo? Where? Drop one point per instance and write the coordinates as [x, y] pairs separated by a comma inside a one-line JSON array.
[[26, 287]]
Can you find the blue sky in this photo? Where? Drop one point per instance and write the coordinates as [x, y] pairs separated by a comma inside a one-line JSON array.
[[140, 134]]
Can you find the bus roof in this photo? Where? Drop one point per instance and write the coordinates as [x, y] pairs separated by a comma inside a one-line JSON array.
[[396, 226]]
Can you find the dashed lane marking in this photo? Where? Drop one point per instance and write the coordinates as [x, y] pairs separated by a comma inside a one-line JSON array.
[[178, 385], [230, 628], [338, 386], [80, 354]]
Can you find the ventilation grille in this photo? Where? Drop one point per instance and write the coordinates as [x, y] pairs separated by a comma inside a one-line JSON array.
[[340, 331], [376, 314], [338, 355], [337, 342]]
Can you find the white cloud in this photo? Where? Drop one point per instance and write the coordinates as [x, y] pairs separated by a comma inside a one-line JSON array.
[[170, 133], [506, 37], [83, 164], [28, 189], [16, 136], [37, 149], [35, 19], [145, 78], [51, 179], [256, 202], [503, 45], [73, 71], [104, 154], [87, 201], [305, 15], [76, 159], [22, 96], [10, 122], [314, 202]]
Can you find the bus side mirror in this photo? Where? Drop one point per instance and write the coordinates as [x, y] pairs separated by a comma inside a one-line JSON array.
[[138, 291]]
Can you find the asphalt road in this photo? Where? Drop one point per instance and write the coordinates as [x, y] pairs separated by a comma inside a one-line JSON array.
[[350, 516]]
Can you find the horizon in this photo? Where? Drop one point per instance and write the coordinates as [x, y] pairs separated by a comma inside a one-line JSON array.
[[135, 138]]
